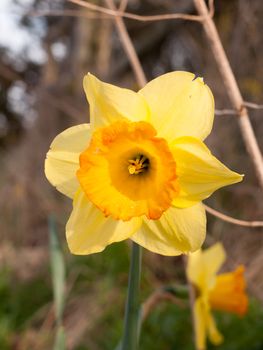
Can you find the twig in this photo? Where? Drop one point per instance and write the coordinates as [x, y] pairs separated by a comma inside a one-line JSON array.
[[128, 46], [118, 13], [154, 299], [253, 105], [225, 112], [231, 220], [247, 104], [123, 5], [232, 89]]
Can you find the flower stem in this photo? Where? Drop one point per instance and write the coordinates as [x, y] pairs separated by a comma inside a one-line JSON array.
[[131, 322]]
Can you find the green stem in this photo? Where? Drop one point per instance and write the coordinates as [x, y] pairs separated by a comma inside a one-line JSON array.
[[131, 322]]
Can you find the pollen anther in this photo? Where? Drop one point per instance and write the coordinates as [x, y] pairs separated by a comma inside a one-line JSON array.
[[138, 165]]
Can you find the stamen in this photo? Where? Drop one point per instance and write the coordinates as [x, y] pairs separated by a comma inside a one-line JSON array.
[[138, 165]]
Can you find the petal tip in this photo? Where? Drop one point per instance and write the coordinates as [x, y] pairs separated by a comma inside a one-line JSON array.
[[87, 78], [199, 79], [239, 177]]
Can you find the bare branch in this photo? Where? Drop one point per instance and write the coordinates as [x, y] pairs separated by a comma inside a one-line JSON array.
[[123, 5], [247, 104], [225, 112], [118, 13], [232, 220], [128, 46], [232, 89], [253, 105], [154, 299]]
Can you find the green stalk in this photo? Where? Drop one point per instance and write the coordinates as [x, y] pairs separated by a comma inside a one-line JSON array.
[[131, 321], [58, 280]]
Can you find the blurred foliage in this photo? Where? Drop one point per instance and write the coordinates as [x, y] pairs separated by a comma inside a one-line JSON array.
[[167, 327]]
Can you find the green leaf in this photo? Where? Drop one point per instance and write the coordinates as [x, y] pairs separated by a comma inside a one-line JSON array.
[[60, 342], [57, 271]]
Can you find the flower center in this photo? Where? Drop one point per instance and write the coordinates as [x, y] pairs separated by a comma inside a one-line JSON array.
[[138, 165], [127, 171]]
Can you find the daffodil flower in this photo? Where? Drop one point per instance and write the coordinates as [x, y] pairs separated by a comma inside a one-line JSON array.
[[225, 292], [139, 170]]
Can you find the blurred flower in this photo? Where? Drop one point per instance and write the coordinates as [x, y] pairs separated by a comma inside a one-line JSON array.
[[224, 292], [139, 170]]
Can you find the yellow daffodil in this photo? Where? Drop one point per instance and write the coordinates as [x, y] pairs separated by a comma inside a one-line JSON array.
[[224, 292], [139, 170]]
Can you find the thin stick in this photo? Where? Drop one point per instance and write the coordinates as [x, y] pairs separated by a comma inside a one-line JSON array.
[[117, 13], [154, 299], [253, 105], [128, 46], [225, 112], [232, 89], [250, 105], [231, 220], [123, 5]]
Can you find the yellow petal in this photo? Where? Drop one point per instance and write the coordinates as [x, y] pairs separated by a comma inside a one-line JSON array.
[[177, 231], [200, 324], [109, 103], [180, 105], [196, 269], [204, 324], [89, 231], [199, 172], [62, 160], [214, 258], [203, 265], [214, 335]]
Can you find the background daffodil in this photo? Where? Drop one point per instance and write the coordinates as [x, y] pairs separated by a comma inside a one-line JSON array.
[[224, 292], [139, 170]]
